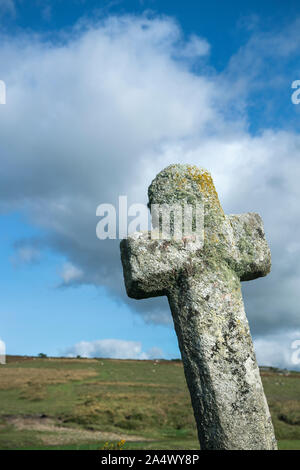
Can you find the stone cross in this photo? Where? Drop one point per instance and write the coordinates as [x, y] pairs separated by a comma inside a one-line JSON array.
[[203, 288]]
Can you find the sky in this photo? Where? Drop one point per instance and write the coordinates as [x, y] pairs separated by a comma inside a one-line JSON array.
[[101, 96]]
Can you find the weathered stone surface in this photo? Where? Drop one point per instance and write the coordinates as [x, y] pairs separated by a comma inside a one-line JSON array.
[[202, 284]]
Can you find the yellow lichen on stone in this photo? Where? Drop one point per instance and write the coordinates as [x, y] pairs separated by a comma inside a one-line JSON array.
[[214, 239], [205, 184]]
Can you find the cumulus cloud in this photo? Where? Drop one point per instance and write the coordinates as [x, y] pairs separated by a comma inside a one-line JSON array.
[[2, 347], [97, 114], [2, 351], [279, 350], [47, 12], [114, 349]]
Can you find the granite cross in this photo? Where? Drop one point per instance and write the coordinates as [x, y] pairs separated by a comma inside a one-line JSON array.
[[204, 293]]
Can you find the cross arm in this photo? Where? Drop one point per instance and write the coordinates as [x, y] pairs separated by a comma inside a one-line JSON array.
[[150, 265], [252, 257]]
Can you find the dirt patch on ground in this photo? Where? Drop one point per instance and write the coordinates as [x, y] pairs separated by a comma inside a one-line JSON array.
[[23, 377], [52, 433]]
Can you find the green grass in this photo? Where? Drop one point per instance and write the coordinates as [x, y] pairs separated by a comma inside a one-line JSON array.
[[289, 445], [128, 398], [155, 445]]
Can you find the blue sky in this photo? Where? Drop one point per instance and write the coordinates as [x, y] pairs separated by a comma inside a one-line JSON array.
[[100, 97]]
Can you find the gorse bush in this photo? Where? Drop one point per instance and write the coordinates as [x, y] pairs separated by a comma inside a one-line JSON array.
[[114, 445]]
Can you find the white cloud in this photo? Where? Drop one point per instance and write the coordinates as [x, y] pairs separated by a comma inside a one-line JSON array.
[[279, 350], [113, 348], [70, 273], [87, 114], [47, 12], [99, 114], [25, 254], [2, 347], [195, 47], [2, 352]]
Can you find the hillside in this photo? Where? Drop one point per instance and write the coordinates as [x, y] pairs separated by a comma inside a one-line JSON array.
[[83, 403]]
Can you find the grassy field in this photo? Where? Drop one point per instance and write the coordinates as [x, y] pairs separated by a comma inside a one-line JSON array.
[[55, 403]]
